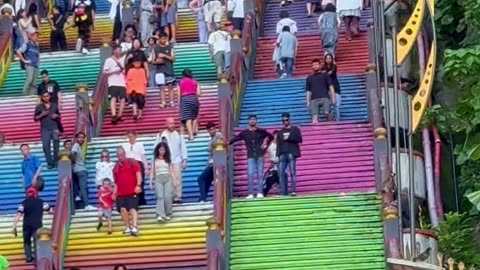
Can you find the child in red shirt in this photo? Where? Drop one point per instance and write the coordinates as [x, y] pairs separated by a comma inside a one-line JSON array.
[[136, 82], [105, 204]]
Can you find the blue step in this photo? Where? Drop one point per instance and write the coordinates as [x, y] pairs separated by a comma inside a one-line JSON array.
[[268, 99], [197, 159], [11, 190]]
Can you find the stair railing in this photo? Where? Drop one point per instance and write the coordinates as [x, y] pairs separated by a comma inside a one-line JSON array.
[[230, 94], [6, 50], [51, 244], [100, 92]]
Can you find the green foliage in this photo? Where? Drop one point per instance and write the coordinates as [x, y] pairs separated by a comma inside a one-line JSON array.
[[456, 239]]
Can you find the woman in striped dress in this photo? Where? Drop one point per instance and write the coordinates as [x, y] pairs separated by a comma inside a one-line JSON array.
[[189, 106]]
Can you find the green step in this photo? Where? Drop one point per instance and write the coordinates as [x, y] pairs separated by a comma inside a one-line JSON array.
[[312, 232], [69, 69]]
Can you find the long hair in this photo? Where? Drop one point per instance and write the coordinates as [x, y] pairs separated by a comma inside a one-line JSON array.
[[167, 156], [330, 66], [120, 267]]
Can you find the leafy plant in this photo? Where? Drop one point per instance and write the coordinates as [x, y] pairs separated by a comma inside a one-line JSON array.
[[456, 239]]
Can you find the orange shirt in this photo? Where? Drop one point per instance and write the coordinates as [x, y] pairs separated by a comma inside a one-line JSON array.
[[136, 81]]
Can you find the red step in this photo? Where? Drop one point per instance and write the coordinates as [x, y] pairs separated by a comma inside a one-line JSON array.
[[352, 56], [153, 119]]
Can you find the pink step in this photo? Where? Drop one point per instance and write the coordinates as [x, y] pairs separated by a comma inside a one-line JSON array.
[[336, 157]]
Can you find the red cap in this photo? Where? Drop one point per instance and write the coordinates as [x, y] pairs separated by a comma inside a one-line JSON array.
[[32, 192]]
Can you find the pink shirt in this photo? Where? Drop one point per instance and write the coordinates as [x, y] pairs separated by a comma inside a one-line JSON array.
[[188, 87]]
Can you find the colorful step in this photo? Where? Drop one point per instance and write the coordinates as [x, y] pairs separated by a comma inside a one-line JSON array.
[[298, 12], [153, 118], [197, 160], [288, 95], [343, 232], [352, 56], [177, 244], [103, 29], [336, 157], [12, 247], [12, 192], [67, 68], [18, 125]]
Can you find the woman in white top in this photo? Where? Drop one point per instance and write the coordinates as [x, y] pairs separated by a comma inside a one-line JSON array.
[[350, 12], [25, 24], [104, 168], [135, 150], [284, 21], [162, 174], [272, 149]]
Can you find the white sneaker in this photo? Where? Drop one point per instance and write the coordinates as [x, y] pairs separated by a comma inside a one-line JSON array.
[[127, 231], [250, 196], [284, 75], [134, 231], [259, 195], [282, 3], [160, 218], [90, 208], [85, 51], [78, 198], [168, 218], [78, 45]]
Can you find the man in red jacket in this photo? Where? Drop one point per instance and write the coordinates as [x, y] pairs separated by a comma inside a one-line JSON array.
[[128, 184]]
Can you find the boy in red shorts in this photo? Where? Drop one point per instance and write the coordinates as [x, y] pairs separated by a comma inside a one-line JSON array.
[[105, 204]]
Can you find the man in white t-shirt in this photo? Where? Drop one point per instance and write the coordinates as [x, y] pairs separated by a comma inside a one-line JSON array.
[[219, 43], [213, 13], [179, 155], [114, 67]]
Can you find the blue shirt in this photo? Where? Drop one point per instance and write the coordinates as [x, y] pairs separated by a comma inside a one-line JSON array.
[[288, 44], [30, 165]]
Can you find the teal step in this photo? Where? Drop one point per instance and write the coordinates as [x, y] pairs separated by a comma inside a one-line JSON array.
[[313, 232], [71, 68]]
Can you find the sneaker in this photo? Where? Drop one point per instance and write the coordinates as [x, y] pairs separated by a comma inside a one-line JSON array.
[[90, 208], [127, 231], [259, 195], [284, 75], [168, 218], [78, 198], [85, 51], [250, 196], [99, 226], [134, 231], [160, 218], [293, 194], [78, 45], [282, 3]]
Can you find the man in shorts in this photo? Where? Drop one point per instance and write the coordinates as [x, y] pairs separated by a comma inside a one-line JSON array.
[[320, 92], [114, 68], [165, 75], [128, 184], [213, 13]]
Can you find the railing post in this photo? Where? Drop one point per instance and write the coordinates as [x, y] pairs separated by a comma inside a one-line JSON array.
[[127, 14], [214, 244], [44, 247], [82, 101], [224, 104], [65, 168], [105, 52]]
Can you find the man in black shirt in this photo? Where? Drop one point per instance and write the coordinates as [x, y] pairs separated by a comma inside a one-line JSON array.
[[165, 75], [31, 209], [288, 150], [57, 22], [49, 116], [320, 92], [51, 87], [256, 141]]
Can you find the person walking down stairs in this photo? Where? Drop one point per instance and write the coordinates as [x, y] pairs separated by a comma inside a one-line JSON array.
[[256, 141]]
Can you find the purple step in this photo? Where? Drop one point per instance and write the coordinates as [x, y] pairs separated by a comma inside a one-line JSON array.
[[298, 12], [336, 157]]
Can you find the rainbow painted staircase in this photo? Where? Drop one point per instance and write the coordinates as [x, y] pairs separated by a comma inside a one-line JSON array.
[[12, 247], [341, 232], [334, 221]]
